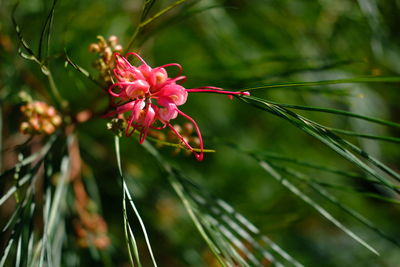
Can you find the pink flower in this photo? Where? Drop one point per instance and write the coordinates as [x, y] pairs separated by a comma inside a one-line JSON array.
[[150, 96]]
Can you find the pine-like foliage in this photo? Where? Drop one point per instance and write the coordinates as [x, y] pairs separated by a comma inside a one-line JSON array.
[[303, 170]]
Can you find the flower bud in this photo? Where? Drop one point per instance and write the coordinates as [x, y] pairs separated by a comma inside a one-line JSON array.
[[94, 48], [107, 54], [39, 107], [113, 40], [34, 123], [51, 112], [24, 127], [118, 48], [56, 120], [47, 127], [188, 128]]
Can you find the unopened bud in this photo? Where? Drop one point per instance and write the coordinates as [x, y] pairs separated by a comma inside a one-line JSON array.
[[48, 127], [101, 242], [117, 126], [188, 127], [51, 112], [34, 123], [24, 96], [195, 141], [56, 120], [102, 43], [94, 48], [113, 40], [118, 48], [107, 54], [24, 127], [178, 128], [40, 108]]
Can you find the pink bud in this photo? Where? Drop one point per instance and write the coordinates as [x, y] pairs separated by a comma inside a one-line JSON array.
[[51, 112]]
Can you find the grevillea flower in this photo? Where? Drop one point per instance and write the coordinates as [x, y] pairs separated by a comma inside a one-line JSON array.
[[150, 96]]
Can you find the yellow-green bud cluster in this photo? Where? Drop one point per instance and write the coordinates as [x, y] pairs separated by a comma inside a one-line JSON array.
[[117, 126], [105, 48], [40, 118]]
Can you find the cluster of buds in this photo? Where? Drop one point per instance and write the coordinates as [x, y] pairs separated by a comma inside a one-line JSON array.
[[187, 132], [91, 230], [151, 96], [105, 49], [117, 126], [40, 118]]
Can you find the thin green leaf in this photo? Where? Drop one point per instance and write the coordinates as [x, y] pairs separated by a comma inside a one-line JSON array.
[[30, 242], [279, 157], [325, 194], [162, 12], [334, 111], [367, 136], [19, 34], [129, 198], [6, 252], [46, 30], [14, 188], [236, 222], [129, 236], [55, 93], [83, 71], [35, 156], [52, 216], [218, 223], [13, 219], [268, 168], [330, 139], [143, 24], [371, 159], [1, 137], [378, 79], [351, 190], [148, 4], [23, 218], [179, 190], [18, 254]]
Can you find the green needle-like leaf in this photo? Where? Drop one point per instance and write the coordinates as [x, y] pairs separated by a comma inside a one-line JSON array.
[[131, 238], [295, 190]]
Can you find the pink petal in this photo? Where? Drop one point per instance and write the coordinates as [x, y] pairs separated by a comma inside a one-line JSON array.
[[169, 110], [175, 92], [137, 109], [137, 89], [159, 76]]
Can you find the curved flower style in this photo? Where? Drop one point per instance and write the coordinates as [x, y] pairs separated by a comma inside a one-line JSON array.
[[150, 96]]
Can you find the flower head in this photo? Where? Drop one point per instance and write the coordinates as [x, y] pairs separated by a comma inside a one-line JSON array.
[[151, 96]]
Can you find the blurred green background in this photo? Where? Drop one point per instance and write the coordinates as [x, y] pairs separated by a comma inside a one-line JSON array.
[[234, 45]]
